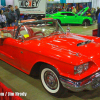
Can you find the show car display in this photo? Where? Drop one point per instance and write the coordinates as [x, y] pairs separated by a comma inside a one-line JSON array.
[[72, 18], [61, 59]]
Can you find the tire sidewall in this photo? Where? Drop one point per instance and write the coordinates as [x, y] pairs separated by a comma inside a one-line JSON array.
[[60, 89], [87, 22], [44, 84]]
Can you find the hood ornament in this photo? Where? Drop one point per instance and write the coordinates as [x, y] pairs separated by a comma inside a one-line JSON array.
[[77, 54]]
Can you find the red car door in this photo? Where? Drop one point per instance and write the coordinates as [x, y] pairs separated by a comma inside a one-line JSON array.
[[9, 52]]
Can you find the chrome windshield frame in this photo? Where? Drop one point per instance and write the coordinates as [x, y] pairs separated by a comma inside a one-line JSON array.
[[37, 22]]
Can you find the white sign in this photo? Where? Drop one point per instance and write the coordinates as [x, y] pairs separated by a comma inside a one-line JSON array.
[[77, 1]]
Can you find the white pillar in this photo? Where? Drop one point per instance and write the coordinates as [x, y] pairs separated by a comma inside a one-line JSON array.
[[95, 3], [0, 3]]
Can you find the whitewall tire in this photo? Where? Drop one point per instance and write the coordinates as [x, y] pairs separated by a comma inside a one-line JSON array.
[[50, 80]]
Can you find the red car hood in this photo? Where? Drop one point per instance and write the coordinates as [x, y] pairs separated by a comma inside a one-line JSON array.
[[66, 45]]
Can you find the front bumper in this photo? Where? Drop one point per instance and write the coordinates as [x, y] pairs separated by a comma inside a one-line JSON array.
[[90, 83]]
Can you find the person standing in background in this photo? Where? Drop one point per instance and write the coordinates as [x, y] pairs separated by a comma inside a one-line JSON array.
[[17, 11], [12, 17], [55, 9], [74, 10], [92, 14], [6, 14], [67, 9], [97, 12], [70, 9], [2, 19]]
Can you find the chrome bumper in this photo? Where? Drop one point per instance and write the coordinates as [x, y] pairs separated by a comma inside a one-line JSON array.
[[89, 83]]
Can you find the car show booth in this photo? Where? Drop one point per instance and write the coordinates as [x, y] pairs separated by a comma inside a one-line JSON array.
[[95, 3]]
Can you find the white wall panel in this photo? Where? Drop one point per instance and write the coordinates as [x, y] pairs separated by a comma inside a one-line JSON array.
[[0, 2], [95, 3], [9, 2]]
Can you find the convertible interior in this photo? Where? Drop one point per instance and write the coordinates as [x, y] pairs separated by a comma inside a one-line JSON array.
[[27, 33], [30, 30]]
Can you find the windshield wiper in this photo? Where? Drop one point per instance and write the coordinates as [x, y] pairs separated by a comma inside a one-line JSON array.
[[83, 43]]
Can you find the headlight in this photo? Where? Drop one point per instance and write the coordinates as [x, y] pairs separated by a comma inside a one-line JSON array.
[[81, 68], [86, 66]]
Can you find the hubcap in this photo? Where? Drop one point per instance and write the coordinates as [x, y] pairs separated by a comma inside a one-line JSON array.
[[50, 80]]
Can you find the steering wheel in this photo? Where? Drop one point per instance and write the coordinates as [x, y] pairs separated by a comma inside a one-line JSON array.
[[38, 32]]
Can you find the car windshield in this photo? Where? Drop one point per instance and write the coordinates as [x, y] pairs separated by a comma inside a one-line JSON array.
[[41, 28]]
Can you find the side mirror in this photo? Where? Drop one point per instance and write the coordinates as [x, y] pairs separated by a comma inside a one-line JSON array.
[[75, 15]]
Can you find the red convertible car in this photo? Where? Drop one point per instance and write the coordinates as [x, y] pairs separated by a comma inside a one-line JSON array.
[[62, 60]]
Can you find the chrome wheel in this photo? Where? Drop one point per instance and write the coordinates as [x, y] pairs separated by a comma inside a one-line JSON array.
[[50, 80]]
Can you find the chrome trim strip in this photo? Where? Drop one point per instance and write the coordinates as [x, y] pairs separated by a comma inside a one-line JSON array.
[[91, 83]]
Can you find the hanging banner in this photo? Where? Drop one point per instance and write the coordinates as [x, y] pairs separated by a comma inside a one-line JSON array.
[[3, 3]]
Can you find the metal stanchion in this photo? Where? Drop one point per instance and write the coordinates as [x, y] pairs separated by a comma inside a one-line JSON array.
[[68, 29], [85, 25]]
